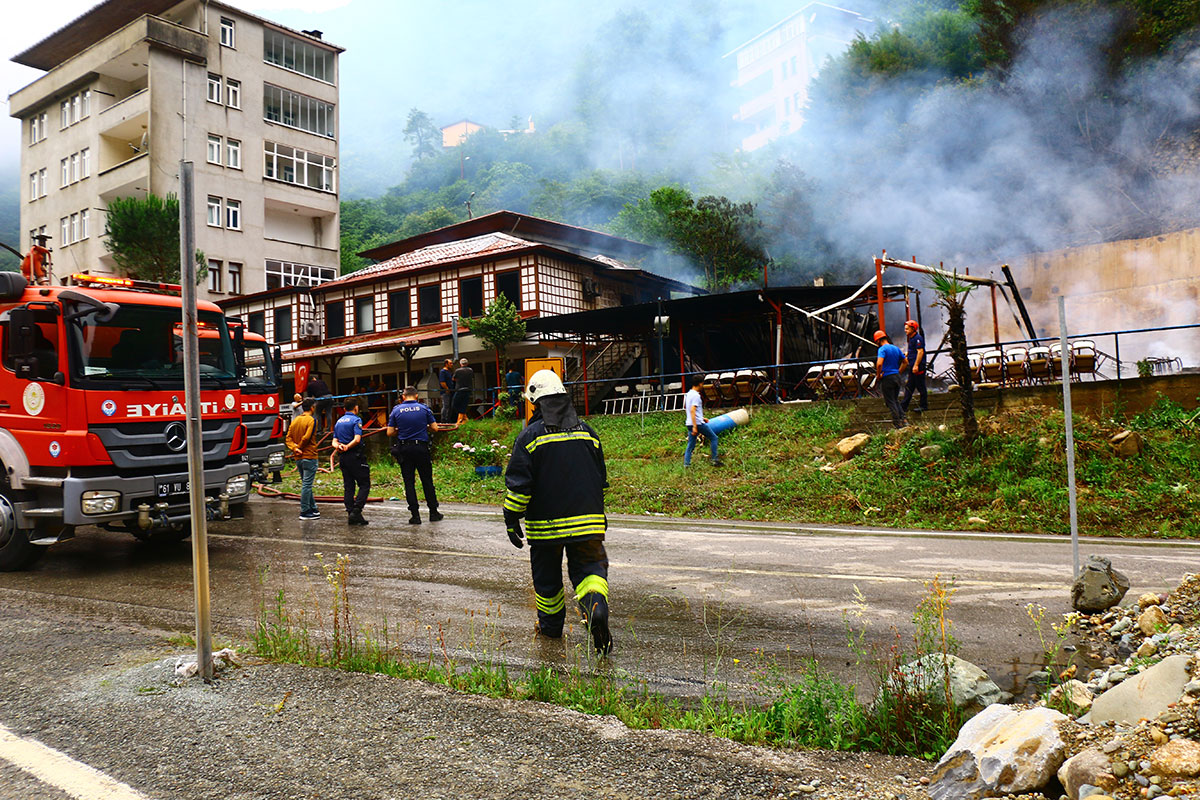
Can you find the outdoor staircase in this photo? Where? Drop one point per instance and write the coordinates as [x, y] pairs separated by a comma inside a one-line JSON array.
[[605, 363]]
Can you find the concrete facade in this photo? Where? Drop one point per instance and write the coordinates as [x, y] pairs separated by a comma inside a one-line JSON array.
[[252, 104], [1123, 285]]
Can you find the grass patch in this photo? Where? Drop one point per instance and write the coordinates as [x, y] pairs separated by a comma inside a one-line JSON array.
[[809, 708], [780, 468]]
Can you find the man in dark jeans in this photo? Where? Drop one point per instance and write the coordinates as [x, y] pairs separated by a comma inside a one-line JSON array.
[[889, 363], [411, 422], [464, 387], [318, 390], [348, 440], [916, 367], [446, 388]]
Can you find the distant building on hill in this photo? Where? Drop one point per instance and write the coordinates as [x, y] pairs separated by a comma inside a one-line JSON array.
[[456, 133], [775, 68]]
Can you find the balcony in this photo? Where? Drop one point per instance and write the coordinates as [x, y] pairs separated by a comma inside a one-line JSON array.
[[129, 178]]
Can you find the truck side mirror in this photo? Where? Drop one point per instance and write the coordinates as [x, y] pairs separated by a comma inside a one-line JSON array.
[[21, 341], [277, 362], [239, 350]]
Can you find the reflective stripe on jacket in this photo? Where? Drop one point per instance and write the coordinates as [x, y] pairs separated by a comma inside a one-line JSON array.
[[556, 479]]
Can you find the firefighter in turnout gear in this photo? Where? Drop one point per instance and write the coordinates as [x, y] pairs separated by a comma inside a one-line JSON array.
[[556, 480]]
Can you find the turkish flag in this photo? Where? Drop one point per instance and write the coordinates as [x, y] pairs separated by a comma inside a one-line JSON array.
[[302, 368]]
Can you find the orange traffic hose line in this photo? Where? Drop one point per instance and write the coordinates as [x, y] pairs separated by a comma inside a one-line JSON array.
[[267, 491]]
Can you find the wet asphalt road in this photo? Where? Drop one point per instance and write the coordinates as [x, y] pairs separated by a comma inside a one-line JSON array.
[[690, 599]]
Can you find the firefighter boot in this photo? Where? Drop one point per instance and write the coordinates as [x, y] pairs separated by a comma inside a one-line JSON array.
[[595, 607]]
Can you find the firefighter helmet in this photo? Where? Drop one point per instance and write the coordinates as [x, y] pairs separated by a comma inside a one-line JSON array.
[[543, 384], [879, 335]]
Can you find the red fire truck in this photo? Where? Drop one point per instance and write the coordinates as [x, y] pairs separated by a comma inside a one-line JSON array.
[[92, 413], [260, 379]]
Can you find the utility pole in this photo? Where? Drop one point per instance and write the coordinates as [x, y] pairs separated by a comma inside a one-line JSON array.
[[195, 445], [1065, 360]]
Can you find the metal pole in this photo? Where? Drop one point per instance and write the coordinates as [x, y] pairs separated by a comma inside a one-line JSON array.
[[195, 446], [662, 363], [879, 290], [1117, 352], [454, 337], [1070, 424], [583, 357], [995, 319]]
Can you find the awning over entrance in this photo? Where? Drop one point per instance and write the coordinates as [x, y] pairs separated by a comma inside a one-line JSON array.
[[372, 343]]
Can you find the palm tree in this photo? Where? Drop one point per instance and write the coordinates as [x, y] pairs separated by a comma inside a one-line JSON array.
[[952, 296]]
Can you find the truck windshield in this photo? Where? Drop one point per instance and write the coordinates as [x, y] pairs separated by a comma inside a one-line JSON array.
[[141, 345], [260, 371]]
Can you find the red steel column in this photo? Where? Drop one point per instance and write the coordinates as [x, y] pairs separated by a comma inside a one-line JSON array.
[[879, 291], [583, 355]]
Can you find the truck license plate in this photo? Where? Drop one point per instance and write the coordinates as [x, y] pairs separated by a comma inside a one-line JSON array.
[[168, 488]]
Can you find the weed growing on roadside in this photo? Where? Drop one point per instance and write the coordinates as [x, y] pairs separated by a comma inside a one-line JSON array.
[[1052, 641]]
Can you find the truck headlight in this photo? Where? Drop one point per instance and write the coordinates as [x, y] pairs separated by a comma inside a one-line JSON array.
[[275, 460], [100, 502], [236, 485]]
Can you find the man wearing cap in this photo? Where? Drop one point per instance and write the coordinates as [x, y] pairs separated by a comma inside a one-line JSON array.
[[446, 389], [889, 362], [356, 472], [410, 423], [556, 480], [916, 367]]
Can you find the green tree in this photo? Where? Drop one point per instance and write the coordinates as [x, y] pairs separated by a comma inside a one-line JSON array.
[[422, 134], [722, 238], [143, 237], [500, 326]]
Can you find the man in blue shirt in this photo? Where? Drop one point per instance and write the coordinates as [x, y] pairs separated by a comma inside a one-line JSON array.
[[889, 363], [446, 389], [410, 423], [348, 440], [916, 367]]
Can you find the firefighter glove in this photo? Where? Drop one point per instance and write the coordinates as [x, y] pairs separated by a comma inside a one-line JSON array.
[[512, 522]]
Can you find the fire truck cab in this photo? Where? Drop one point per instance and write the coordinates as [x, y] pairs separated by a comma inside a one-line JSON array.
[[259, 369], [92, 414]]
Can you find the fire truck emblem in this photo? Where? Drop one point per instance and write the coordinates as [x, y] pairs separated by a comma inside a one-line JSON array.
[[270, 401], [34, 398], [55, 449], [108, 407], [229, 402], [176, 436]]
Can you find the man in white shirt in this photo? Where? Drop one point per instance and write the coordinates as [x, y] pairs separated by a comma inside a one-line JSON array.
[[693, 409]]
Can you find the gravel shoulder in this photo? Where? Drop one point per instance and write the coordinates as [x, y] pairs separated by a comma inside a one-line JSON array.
[[106, 694]]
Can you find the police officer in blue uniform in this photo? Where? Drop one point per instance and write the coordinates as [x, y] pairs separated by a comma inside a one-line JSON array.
[[410, 423], [348, 441]]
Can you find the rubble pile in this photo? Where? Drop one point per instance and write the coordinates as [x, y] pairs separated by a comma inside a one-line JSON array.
[[1131, 728]]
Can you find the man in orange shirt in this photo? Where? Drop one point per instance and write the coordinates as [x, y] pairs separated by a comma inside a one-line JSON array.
[[302, 441]]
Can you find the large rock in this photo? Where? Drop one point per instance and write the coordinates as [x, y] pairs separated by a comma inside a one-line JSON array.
[[1177, 759], [1000, 751], [853, 445], [1145, 695], [971, 690], [1074, 692], [1153, 620], [1098, 587], [1089, 768], [1127, 444]]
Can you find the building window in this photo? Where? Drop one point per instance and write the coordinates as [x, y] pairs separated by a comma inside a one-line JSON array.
[[37, 127], [233, 153], [83, 224], [74, 167], [233, 93], [235, 278], [214, 275], [290, 165], [85, 103], [297, 111], [41, 176], [214, 88], [74, 227], [214, 149], [399, 312], [214, 211], [335, 320], [364, 314], [257, 322], [470, 297], [64, 114], [233, 215], [33, 195], [65, 177], [65, 232], [85, 163], [429, 304], [226, 32], [285, 273], [283, 325], [509, 285], [298, 56]]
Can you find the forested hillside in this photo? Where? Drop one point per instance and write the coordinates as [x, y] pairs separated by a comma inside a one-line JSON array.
[[970, 129]]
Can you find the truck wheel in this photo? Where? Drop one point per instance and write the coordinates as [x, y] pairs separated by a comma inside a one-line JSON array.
[[16, 551]]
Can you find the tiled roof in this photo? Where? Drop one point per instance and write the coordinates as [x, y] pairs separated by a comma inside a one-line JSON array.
[[487, 244]]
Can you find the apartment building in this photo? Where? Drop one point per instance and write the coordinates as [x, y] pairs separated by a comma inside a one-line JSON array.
[[775, 68], [134, 86]]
